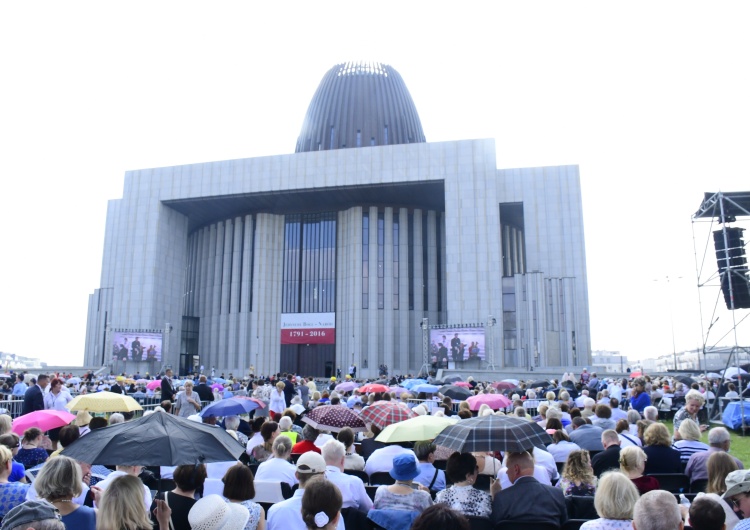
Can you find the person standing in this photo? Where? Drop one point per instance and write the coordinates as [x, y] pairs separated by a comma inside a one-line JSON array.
[[167, 389], [187, 402], [33, 399], [289, 390], [20, 388], [203, 390]]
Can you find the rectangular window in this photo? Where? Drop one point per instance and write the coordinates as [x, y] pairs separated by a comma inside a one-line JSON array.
[[359, 138]]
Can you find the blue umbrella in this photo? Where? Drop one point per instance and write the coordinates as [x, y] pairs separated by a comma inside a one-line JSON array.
[[229, 407], [408, 383], [218, 380], [424, 387]]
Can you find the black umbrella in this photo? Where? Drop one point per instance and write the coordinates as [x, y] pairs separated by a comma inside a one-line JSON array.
[[455, 392], [493, 433], [536, 384], [159, 439], [685, 379], [452, 379]]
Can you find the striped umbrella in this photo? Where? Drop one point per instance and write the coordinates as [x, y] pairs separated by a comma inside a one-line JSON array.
[[493, 433]]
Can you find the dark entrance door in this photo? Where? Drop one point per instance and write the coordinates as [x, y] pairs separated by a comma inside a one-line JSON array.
[[308, 359]]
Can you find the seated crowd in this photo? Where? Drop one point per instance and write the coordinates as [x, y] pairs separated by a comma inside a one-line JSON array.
[[602, 465]]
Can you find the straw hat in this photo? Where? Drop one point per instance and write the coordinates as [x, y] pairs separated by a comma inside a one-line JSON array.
[[83, 418], [214, 513]]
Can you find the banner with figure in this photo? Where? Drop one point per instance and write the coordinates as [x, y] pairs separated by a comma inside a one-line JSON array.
[[136, 346], [456, 344]]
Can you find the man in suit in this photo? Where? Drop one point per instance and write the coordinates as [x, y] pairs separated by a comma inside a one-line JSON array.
[[610, 457], [527, 500], [203, 390], [167, 390], [33, 399], [587, 436]]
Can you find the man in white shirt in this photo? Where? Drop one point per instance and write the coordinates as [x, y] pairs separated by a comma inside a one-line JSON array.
[[581, 398], [127, 470], [287, 515], [381, 460], [540, 473], [352, 488], [547, 461]]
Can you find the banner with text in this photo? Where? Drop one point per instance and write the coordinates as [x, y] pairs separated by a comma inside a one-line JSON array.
[[308, 328]]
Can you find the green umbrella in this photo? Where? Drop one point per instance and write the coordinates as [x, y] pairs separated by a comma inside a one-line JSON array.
[[415, 429]]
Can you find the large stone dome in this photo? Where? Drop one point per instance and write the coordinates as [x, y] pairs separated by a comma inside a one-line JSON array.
[[358, 105]]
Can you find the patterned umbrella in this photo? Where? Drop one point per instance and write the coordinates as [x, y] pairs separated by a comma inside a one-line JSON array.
[[495, 401], [334, 418], [372, 387], [455, 392], [493, 433], [383, 413]]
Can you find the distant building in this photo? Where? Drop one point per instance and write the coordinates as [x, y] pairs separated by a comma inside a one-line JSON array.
[[603, 361], [333, 255]]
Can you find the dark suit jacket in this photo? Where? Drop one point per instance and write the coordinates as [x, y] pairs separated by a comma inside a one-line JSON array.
[[204, 391], [529, 501], [117, 389], [606, 460], [167, 391], [33, 399]]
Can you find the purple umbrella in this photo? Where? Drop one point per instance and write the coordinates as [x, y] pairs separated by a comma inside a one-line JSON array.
[[347, 386]]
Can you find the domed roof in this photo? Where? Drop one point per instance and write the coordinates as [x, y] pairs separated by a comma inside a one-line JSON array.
[[358, 105]]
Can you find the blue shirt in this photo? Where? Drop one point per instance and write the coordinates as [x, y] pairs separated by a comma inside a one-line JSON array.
[[427, 473], [11, 495], [641, 402], [83, 518], [17, 473]]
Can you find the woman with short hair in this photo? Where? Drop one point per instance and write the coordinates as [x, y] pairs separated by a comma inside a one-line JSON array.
[[690, 440], [239, 487], [461, 469], [187, 402], [278, 401], [278, 468], [632, 464], [657, 444], [561, 445], [694, 401], [270, 430], [614, 502], [187, 479], [59, 482], [352, 460]]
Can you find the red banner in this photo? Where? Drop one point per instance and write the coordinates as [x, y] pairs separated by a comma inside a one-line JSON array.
[[308, 336]]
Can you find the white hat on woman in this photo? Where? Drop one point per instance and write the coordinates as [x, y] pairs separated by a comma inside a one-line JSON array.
[[212, 512]]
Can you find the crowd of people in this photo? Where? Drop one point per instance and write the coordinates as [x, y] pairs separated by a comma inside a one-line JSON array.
[[605, 443]]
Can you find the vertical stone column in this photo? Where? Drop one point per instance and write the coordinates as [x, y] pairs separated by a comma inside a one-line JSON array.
[[387, 311], [405, 329]]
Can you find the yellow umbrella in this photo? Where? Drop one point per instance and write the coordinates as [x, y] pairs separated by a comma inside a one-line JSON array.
[[104, 402], [415, 429]]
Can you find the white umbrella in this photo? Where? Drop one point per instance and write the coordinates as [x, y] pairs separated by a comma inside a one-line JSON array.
[[732, 371]]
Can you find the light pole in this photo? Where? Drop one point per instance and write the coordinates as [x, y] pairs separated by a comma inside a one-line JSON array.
[[671, 317]]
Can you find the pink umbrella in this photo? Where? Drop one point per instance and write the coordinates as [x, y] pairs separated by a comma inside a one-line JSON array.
[[348, 386], [398, 390], [494, 401], [373, 387], [153, 385], [504, 385], [260, 403], [217, 386], [463, 384], [42, 419]]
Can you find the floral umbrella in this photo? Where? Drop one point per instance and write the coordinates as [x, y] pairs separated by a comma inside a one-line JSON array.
[[334, 418]]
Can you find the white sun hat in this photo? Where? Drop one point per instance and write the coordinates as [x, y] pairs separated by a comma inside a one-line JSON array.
[[212, 512]]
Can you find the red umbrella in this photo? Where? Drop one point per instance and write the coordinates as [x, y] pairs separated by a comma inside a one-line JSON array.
[[373, 387], [504, 385], [383, 413], [494, 401], [635, 374], [42, 419], [334, 418]]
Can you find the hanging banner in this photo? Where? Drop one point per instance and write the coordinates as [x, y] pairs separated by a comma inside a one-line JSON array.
[[308, 328]]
